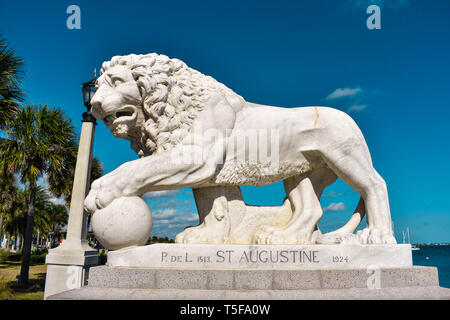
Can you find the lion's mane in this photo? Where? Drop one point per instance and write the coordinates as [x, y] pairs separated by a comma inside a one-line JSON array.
[[172, 96]]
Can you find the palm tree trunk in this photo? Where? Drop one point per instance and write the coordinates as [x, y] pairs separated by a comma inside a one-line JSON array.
[[24, 270], [1, 231], [18, 242], [8, 238]]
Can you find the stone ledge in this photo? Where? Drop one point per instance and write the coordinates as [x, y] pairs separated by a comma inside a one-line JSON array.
[[208, 279], [393, 293], [264, 257]]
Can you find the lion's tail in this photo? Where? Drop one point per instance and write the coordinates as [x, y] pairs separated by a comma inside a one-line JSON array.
[[355, 220], [338, 235]]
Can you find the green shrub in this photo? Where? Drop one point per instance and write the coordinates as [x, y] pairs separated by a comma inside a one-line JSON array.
[[14, 257], [102, 257], [38, 251], [4, 254], [37, 258]]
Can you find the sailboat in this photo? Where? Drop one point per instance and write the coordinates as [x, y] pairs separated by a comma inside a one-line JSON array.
[[406, 233]]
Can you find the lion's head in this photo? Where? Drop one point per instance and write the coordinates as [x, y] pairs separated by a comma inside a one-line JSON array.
[[152, 100]]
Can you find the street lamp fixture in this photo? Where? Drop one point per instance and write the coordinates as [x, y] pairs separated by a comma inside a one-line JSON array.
[[88, 89]]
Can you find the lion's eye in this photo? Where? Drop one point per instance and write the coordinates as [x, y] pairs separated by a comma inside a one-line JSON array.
[[117, 82]]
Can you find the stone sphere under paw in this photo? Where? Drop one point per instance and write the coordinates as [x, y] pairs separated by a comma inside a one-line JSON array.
[[125, 222]]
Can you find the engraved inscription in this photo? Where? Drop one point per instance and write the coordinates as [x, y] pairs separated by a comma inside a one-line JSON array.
[[247, 257], [341, 259]]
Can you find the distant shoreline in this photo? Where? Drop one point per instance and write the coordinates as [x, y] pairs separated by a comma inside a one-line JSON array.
[[429, 244]]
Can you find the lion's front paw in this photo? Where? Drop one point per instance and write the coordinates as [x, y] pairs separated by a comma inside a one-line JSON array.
[[375, 236], [103, 192], [98, 199]]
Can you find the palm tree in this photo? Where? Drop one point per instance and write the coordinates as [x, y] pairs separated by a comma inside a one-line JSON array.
[[13, 218], [11, 75], [40, 140], [42, 204], [57, 217], [62, 184], [50, 220], [8, 198], [16, 222]]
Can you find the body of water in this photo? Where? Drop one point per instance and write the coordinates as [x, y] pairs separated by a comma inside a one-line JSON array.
[[435, 256]]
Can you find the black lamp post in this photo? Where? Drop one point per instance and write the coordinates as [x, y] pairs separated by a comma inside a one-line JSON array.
[[88, 92]]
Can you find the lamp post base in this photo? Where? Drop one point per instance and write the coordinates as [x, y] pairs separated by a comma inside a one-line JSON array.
[[68, 266]]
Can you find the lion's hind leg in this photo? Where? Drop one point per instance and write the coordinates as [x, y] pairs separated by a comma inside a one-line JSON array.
[[354, 166], [304, 194]]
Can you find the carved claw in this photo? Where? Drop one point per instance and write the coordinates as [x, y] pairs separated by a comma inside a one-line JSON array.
[[107, 188], [335, 238], [375, 236], [100, 198]]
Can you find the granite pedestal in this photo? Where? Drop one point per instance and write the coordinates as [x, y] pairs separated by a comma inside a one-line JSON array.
[[173, 271]]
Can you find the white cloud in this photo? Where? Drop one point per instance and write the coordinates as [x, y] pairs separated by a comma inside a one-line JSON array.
[[43, 182], [176, 225], [171, 216], [172, 203], [59, 201], [164, 214], [183, 222], [182, 218], [192, 217], [165, 221], [350, 98], [357, 108], [335, 207], [344, 92], [160, 194], [332, 194]]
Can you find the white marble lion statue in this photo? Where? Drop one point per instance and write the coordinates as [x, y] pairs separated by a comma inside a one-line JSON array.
[[191, 131]]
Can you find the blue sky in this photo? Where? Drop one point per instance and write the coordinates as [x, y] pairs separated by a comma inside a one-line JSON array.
[[395, 82]]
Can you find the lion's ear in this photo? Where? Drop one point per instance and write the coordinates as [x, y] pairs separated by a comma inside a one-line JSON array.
[[105, 66], [145, 84]]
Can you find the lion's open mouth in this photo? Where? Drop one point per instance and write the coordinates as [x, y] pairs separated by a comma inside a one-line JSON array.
[[125, 114]]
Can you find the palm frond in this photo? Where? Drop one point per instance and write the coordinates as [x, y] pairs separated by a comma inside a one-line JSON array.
[[11, 77]]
